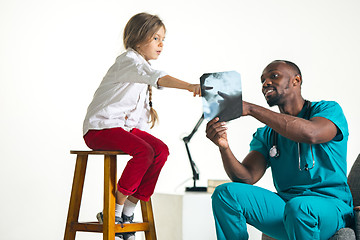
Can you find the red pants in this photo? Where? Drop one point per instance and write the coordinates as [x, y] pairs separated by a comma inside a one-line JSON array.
[[149, 155]]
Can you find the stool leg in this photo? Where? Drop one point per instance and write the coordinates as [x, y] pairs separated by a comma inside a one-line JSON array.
[[109, 197], [76, 194], [147, 214]]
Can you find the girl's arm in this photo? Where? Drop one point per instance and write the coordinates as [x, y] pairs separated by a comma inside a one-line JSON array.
[[171, 82]]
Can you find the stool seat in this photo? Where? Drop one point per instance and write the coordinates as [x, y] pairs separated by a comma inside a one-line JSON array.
[[108, 228], [97, 152]]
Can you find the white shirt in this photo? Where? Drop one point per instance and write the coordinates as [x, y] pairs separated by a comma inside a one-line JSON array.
[[122, 97]]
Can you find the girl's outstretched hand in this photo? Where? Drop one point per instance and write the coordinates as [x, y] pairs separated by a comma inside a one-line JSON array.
[[169, 81], [196, 89]]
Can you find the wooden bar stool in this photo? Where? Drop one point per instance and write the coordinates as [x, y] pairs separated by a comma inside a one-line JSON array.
[[108, 228]]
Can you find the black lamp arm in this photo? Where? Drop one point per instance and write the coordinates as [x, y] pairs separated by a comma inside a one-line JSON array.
[[186, 140]]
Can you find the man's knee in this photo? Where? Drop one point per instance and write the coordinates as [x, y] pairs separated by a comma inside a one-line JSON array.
[[219, 190], [223, 192], [231, 196], [220, 194], [298, 209]]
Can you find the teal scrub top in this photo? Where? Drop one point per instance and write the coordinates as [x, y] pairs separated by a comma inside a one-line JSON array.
[[328, 177]]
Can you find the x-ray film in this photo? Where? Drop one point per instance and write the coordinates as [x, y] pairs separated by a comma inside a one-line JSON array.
[[221, 95]]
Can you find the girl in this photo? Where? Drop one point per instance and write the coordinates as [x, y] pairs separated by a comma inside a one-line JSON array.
[[118, 116]]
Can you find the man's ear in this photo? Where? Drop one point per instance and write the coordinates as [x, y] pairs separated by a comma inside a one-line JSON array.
[[297, 80]]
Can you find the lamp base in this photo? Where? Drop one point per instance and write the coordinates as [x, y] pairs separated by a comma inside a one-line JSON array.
[[195, 189]]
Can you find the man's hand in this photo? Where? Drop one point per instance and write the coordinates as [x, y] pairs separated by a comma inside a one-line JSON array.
[[216, 132], [246, 108], [231, 106]]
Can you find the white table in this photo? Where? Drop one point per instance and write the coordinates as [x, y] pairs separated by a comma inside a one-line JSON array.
[[187, 216]]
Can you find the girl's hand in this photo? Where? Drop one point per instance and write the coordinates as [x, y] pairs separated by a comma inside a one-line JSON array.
[[195, 88]]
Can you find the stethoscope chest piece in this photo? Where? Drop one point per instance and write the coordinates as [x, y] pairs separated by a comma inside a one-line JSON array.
[[274, 152]]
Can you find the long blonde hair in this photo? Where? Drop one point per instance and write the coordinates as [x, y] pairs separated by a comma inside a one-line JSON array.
[[153, 114], [140, 28]]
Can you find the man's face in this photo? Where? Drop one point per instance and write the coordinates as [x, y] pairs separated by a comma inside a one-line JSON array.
[[276, 79]]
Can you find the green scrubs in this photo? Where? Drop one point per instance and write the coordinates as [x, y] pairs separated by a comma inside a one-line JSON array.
[[311, 204]]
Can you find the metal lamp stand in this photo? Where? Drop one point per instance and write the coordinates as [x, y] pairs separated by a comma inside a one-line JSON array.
[[194, 168]]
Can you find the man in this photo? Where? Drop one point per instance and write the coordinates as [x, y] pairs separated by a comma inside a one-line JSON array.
[[305, 146]]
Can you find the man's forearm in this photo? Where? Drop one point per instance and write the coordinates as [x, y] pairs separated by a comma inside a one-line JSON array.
[[314, 131], [233, 168], [294, 128]]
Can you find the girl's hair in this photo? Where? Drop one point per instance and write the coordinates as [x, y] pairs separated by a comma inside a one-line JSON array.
[[153, 114], [139, 29]]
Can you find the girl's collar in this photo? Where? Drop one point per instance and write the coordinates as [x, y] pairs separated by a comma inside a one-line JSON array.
[[138, 54]]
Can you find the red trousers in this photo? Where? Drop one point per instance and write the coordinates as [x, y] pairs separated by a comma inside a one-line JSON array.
[[149, 155]]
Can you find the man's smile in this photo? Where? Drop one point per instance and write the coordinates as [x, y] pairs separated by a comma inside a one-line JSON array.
[[268, 91]]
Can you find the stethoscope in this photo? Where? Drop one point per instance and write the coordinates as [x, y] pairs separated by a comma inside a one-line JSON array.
[[274, 150]]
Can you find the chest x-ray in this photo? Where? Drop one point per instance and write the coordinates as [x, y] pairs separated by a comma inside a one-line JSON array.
[[222, 95]]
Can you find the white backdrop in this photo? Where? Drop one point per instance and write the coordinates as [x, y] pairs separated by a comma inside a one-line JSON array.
[[53, 55]]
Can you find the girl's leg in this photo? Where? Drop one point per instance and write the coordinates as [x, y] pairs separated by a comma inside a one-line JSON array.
[[149, 180], [120, 198], [235, 204], [119, 139], [312, 217]]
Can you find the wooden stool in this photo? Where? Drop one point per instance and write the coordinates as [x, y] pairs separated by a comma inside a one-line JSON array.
[[108, 228]]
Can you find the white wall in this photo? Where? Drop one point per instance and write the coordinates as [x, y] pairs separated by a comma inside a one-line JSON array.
[[53, 55]]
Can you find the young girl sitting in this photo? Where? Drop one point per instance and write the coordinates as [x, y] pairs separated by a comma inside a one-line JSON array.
[[118, 116]]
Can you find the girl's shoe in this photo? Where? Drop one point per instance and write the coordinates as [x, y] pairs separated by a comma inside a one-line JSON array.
[[127, 219], [118, 220], [99, 216]]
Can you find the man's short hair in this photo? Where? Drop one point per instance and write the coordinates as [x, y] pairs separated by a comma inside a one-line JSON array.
[[293, 66]]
